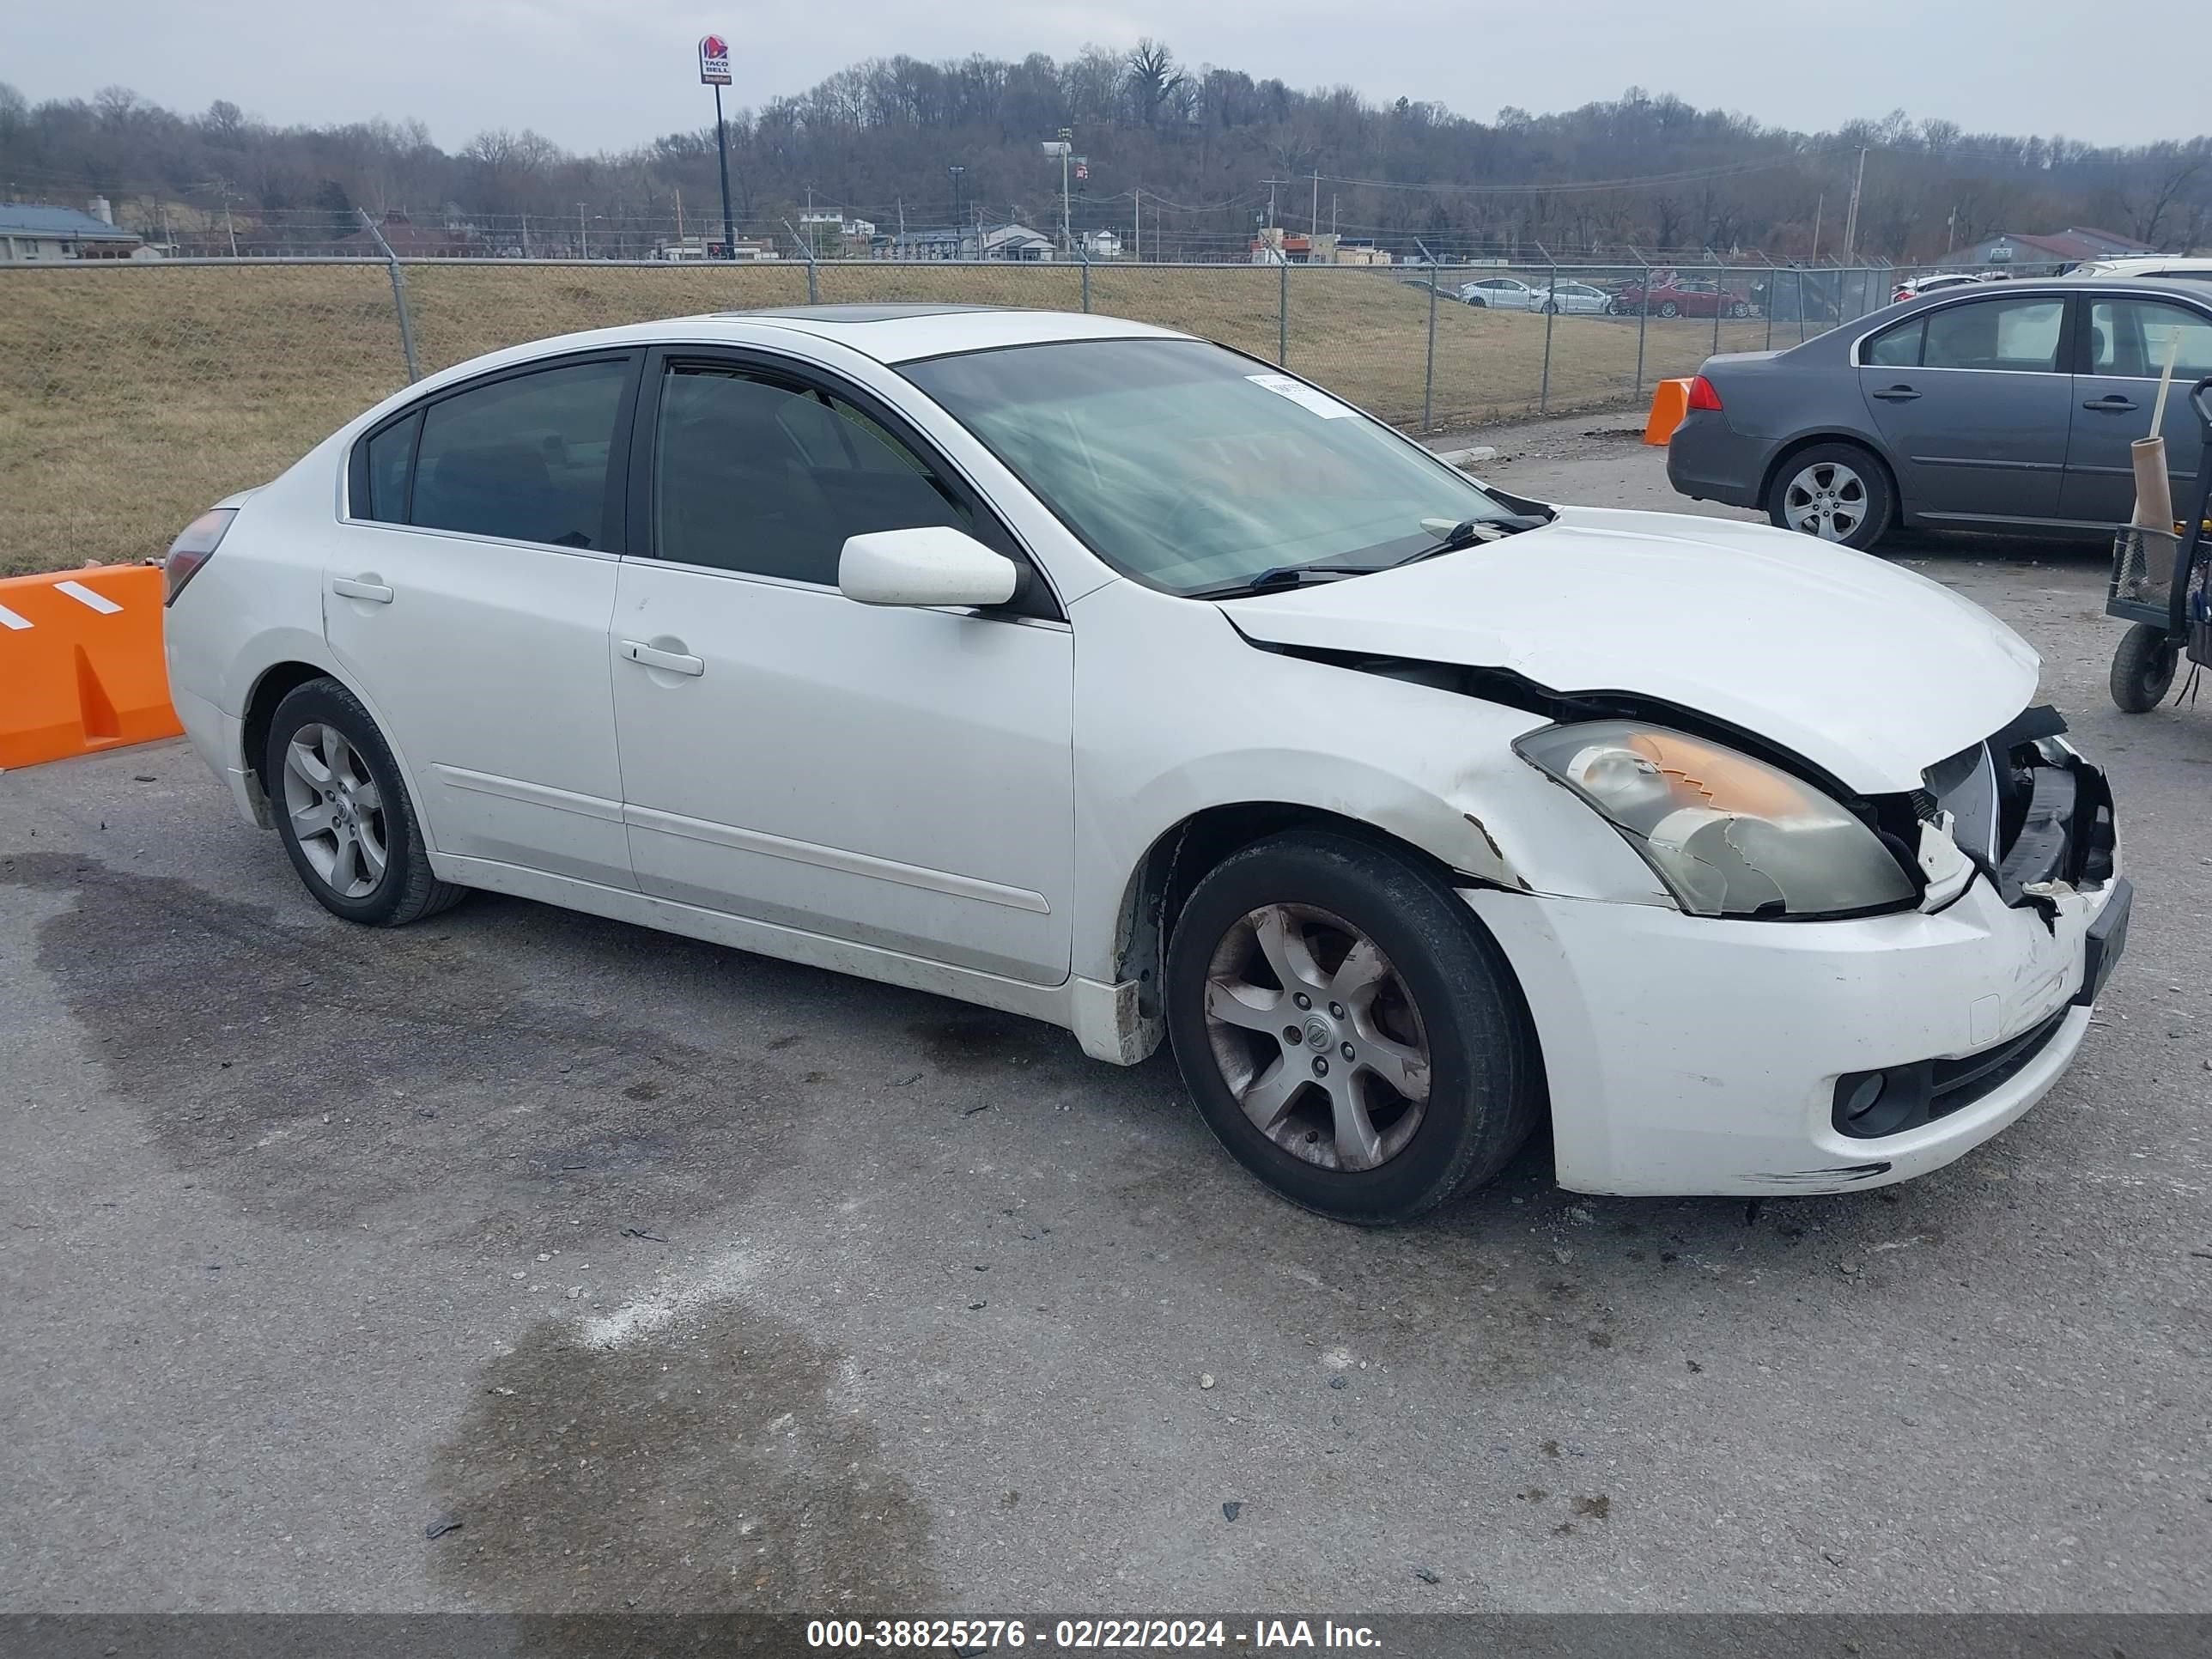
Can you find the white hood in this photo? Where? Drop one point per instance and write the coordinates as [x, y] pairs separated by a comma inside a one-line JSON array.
[[1866, 670]]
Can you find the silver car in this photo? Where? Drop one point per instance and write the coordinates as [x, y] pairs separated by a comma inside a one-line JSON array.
[[1998, 408]]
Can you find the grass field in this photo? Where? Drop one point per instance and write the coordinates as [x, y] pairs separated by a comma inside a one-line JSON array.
[[133, 396]]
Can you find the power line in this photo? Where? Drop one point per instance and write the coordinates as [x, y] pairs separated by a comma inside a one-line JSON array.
[[1647, 181]]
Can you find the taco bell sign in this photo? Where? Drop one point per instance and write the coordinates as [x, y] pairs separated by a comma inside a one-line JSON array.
[[713, 61]]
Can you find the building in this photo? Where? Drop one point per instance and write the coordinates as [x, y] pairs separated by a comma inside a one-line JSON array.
[[412, 242], [1101, 244], [36, 234], [1008, 241], [822, 227], [2041, 254], [742, 251]]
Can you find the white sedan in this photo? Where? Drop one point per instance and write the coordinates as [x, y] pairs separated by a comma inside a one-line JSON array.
[[1502, 294], [1075, 667]]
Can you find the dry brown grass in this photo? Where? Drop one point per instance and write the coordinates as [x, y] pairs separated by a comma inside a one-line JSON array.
[[132, 397]]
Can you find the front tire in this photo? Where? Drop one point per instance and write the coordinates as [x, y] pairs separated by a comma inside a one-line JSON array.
[[1838, 492], [1348, 1030], [2142, 668], [343, 813], [1669, 308]]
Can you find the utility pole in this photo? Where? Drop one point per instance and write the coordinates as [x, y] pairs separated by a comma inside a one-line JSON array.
[[1851, 215], [1137, 227], [1820, 205], [1064, 148], [1332, 199], [1950, 233], [1271, 183], [1313, 217], [583, 235]]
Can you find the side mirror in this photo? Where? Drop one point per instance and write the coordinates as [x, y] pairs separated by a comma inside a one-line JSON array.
[[930, 564]]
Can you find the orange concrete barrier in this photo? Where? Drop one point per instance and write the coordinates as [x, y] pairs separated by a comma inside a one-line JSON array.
[[81, 666], [1670, 402]]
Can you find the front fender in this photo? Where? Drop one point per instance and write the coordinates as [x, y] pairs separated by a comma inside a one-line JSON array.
[[1177, 714]]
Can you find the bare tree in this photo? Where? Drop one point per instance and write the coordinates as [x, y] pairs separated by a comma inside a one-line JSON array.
[[1155, 83]]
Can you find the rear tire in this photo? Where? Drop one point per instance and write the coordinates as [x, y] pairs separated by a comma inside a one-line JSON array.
[[1669, 308], [1402, 986], [343, 813], [1839, 492], [2142, 668]]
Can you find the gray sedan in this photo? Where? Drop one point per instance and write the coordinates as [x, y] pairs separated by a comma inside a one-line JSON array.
[[1998, 409]]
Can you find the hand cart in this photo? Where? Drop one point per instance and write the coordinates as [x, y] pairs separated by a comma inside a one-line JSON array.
[[2160, 583]]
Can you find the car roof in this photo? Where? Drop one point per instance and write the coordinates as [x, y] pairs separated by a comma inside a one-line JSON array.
[[2179, 288], [2150, 262], [902, 333]]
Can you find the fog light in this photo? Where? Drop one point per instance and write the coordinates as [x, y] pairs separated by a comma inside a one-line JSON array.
[[1865, 1097]]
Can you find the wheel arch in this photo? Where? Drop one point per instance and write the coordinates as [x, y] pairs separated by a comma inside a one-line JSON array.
[[1797, 445], [1181, 855], [270, 688]]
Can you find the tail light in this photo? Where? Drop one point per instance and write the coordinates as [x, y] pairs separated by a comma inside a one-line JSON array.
[[1702, 395], [193, 547]]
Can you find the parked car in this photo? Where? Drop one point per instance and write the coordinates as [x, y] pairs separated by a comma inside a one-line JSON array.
[[1796, 295], [1077, 668], [2162, 265], [1935, 283], [2006, 408], [1575, 299], [1680, 299], [1502, 294]]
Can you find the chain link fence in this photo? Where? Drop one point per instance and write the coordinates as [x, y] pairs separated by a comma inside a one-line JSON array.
[[133, 395]]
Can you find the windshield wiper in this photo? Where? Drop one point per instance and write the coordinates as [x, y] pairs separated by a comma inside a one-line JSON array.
[[1450, 539], [1279, 575]]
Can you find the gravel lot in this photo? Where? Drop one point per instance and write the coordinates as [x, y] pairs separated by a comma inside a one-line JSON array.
[[686, 1279]]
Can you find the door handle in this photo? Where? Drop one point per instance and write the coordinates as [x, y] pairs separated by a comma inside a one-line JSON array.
[[1897, 394], [360, 587], [2114, 405], [673, 662]]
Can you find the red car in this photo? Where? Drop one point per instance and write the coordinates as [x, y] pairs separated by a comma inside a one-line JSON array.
[[1679, 299]]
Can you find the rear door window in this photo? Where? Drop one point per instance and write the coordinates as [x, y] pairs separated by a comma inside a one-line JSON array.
[[391, 454], [1898, 348], [2133, 336], [524, 457]]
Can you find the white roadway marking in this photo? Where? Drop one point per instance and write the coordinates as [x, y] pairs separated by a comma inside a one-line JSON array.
[[85, 596], [10, 620]]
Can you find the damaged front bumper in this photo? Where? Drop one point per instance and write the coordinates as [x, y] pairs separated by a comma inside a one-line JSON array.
[[1686, 1054]]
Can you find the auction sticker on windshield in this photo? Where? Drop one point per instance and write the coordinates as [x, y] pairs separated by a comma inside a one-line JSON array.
[[1305, 396]]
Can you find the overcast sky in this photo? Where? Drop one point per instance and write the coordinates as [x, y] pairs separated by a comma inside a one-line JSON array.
[[594, 74]]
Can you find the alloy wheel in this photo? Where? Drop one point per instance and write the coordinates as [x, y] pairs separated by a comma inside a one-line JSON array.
[[337, 811], [1826, 499], [1317, 1037]]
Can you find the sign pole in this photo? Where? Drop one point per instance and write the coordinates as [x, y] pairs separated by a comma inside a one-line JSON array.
[[722, 154], [715, 71]]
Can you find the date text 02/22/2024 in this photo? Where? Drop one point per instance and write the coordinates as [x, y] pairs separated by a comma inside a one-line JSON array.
[[1084, 1634]]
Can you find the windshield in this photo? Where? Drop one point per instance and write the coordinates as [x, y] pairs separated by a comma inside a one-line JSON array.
[[1189, 467]]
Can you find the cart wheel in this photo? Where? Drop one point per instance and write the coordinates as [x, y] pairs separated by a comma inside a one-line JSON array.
[[2142, 668]]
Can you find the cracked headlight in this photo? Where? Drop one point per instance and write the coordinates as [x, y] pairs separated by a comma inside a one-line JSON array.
[[1728, 834]]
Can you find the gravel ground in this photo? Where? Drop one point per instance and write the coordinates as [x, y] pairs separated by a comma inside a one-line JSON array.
[[685, 1279]]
